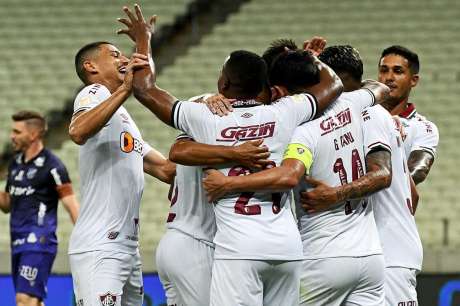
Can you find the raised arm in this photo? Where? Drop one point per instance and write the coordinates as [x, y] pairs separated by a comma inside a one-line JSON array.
[[158, 101], [86, 124], [5, 202], [378, 177], [249, 154], [281, 178]]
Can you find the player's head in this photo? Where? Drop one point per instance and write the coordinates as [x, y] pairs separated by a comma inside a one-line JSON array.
[[243, 76], [293, 72], [101, 62], [346, 62], [276, 48], [28, 127], [398, 69]]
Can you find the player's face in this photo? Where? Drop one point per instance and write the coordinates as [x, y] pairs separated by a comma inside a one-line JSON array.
[[395, 73], [111, 63], [21, 136]]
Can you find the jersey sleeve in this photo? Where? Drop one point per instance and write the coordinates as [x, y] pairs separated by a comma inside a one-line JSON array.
[[61, 180], [426, 137], [360, 99], [301, 147], [378, 128], [146, 148], [90, 97], [194, 119], [302, 107]]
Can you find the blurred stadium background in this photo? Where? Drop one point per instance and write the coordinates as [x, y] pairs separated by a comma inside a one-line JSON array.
[[39, 38]]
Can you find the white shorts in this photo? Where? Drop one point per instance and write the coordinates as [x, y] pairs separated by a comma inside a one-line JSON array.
[[255, 283], [400, 286], [184, 266], [107, 278], [343, 281]]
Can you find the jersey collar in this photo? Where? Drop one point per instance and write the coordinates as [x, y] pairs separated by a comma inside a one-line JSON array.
[[409, 112]]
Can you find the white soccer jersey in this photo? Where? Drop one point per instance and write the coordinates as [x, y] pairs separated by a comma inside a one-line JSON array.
[[331, 147], [190, 212], [392, 206], [251, 225], [420, 135], [112, 181]]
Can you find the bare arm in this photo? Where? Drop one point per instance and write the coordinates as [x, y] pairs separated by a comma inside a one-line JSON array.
[[86, 124], [378, 177], [329, 88], [281, 178], [249, 154], [5, 202], [72, 206], [414, 195], [380, 91], [419, 164], [159, 167], [158, 101]]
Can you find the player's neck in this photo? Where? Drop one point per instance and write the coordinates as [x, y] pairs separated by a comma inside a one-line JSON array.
[[33, 150], [399, 108]]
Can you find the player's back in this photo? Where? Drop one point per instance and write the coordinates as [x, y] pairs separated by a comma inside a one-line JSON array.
[[393, 206], [251, 225], [335, 142]]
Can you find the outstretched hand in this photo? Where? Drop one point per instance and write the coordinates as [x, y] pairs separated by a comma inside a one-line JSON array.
[[219, 105], [315, 45], [321, 198], [214, 184], [137, 61], [137, 26]]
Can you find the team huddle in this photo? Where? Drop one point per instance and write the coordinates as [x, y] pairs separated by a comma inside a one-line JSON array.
[[294, 185]]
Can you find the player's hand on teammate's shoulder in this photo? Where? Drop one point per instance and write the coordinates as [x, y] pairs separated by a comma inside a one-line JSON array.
[[320, 198], [219, 105], [137, 26], [137, 61], [214, 183], [252, 154], [315, 45]]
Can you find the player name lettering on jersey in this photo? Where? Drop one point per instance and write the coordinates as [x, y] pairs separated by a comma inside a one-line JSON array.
[[334, 123], [237, 133]]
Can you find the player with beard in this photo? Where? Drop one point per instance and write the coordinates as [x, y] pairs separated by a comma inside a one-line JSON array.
[[104, 248], [399, 69]]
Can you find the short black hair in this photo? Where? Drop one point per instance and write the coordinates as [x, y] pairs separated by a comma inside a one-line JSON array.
[[410, 56], [32, 118], [294, 70], [83, 55], [276, 48], [345, 59], [246, 72]]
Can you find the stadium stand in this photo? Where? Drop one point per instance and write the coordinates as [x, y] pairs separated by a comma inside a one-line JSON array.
[[38, 53]]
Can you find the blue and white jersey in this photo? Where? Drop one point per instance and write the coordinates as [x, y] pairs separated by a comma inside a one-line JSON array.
[[35, 188]]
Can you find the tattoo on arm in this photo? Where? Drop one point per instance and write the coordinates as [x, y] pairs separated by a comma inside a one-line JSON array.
[[378, 177], [419, 164]]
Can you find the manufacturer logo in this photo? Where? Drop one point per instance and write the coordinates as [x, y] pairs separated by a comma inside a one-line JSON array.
[[31, 173], [113, 235], [108, 299], [246, 115], [19, 242], [236, 133], [128, 143]]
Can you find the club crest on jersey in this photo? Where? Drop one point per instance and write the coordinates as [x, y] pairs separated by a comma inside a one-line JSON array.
[[242, 133], [334, 123], [31, 173], [300, 150], [128, 143], [39, 162], [108, 299]]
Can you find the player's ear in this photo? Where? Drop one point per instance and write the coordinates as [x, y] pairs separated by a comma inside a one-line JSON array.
[[89, 67], [278, 92], [414, 80]]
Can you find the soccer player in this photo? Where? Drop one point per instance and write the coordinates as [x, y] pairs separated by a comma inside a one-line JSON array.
[[37, 180], [393, 207], [399, 69], [345, 237], [257, 242], [103, 248]]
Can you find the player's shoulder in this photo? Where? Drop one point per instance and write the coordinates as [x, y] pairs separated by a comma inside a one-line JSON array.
[[50, 159], [376, 112], [92, 90]]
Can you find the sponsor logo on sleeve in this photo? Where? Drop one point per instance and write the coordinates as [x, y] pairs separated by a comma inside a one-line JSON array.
[[29, 273], [108, 299]]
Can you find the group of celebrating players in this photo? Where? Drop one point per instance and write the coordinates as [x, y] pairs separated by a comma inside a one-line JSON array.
[[292, 128]]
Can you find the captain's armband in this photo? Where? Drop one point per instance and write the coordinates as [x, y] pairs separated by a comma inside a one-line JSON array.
[[300, 152]]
